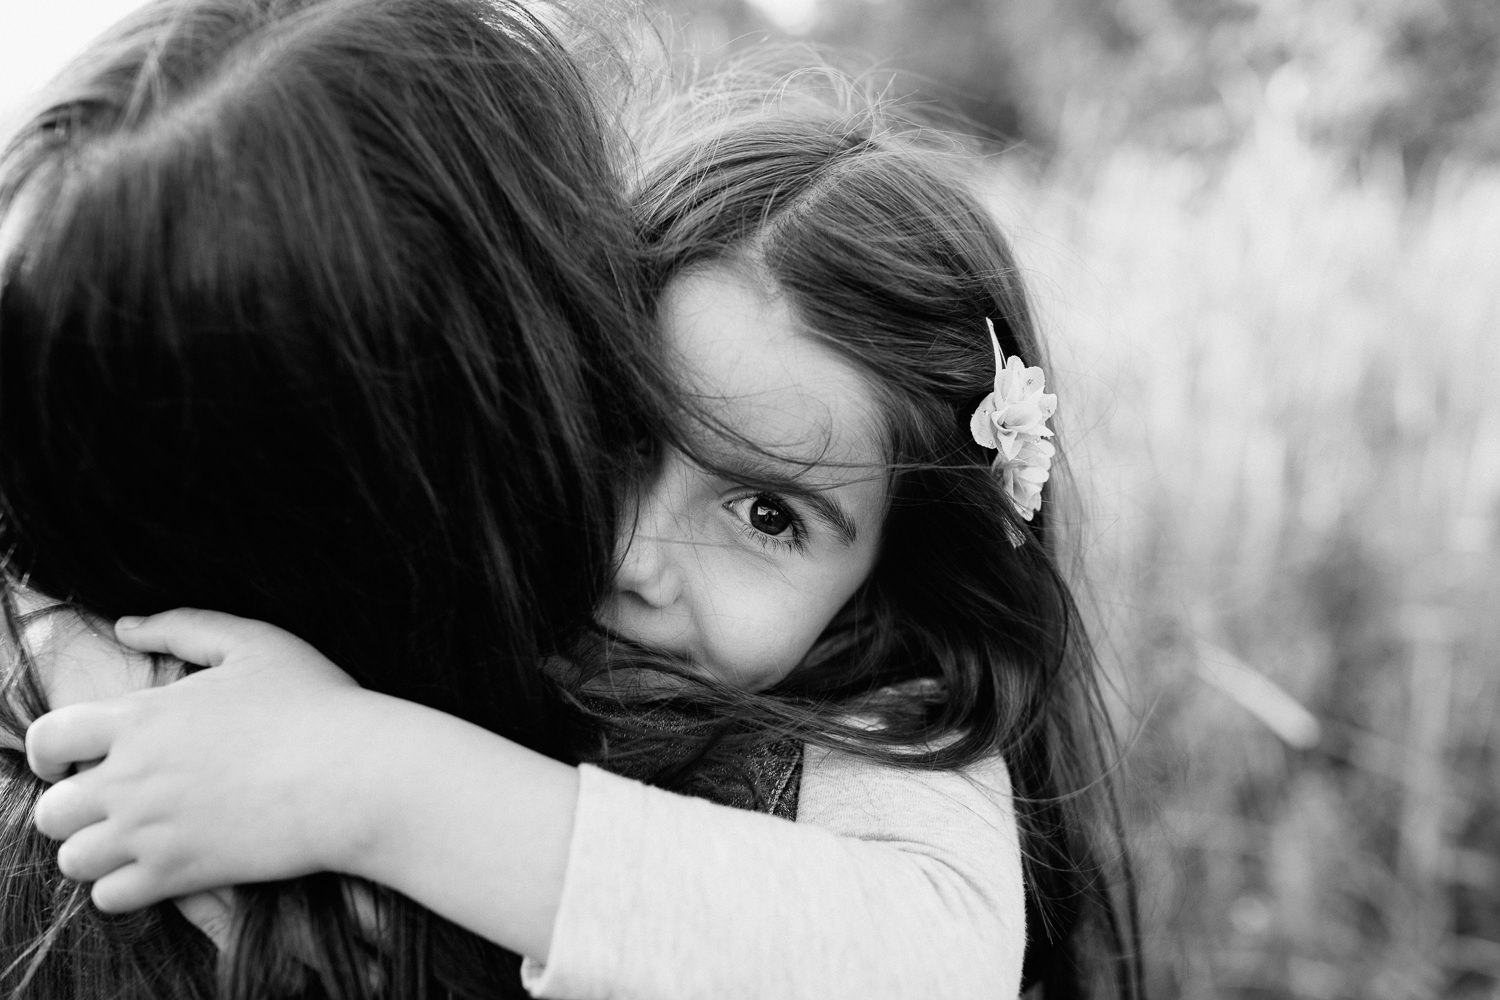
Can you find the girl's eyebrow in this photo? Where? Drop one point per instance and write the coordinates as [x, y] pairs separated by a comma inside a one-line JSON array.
[[832, 513]]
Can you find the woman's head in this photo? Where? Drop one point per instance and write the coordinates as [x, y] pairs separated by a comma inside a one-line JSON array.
[[321, 312], [318, 312]]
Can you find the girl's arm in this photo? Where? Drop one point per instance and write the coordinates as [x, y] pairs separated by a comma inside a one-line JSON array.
[[892, 884], [273, 765]]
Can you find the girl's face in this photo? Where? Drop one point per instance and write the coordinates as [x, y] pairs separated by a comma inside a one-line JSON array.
[[736, 576]]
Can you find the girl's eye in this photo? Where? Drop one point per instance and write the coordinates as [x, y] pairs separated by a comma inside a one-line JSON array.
[[769, 521], [767, 516]]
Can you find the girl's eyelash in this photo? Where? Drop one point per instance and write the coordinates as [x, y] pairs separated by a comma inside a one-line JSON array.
[[798, 540]]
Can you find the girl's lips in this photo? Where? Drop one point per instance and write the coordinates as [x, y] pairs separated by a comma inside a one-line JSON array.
[[638, 669], [642, 649]]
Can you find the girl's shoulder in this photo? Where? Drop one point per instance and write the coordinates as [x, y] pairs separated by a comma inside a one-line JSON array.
[[871, 716], [989, 775], [871, 712], [895, 776]]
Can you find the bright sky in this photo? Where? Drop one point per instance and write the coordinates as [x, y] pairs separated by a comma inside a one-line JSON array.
[[38, 36], [789, 15]]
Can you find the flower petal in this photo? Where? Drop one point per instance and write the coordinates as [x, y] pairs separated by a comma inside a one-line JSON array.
[[981, 426], [1013, 420]]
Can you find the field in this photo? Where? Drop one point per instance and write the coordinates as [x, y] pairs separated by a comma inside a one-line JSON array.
[[1280, 377]]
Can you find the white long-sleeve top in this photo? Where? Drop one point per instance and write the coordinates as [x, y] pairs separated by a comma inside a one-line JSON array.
[[892, 883]]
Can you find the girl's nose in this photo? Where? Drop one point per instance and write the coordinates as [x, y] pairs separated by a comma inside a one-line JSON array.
[[647, 566]]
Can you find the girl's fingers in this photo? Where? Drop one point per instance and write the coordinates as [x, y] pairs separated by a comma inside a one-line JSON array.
[[92, 853], [211, 912], [70, 735], [129, 887], [67, 808], [191, 634]]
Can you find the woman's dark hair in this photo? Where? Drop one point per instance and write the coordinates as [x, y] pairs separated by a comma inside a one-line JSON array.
[[884, 255], [318, 312]]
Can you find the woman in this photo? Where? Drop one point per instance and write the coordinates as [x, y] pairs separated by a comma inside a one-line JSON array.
[[318, 312]]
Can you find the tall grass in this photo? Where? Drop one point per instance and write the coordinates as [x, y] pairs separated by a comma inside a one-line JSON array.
[[1282, 380]]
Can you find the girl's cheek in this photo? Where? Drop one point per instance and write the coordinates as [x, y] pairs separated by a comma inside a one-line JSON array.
[[770, 643]]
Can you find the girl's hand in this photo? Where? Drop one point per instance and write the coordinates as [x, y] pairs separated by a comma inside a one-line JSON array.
[[246, 772], [76, 662]]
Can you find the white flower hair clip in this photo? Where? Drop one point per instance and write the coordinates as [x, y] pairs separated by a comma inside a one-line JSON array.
[[1013, 421]]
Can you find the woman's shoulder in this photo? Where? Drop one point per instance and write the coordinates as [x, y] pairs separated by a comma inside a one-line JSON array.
[[74, 657]]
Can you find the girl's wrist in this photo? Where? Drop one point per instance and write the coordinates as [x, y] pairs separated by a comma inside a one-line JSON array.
[[366, 784], [469, 824], [395, 780]]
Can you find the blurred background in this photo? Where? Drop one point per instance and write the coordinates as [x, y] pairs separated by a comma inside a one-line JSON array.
[[1265, 236], [1265, 239]]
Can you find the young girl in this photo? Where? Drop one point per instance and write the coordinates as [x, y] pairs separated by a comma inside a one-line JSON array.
[[850, 548]]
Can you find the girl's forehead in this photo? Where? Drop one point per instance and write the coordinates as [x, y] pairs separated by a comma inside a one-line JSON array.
[[744, 358], [14, 221]]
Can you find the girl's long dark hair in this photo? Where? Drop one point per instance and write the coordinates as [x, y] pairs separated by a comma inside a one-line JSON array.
[[887, 257], [318, 312]]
